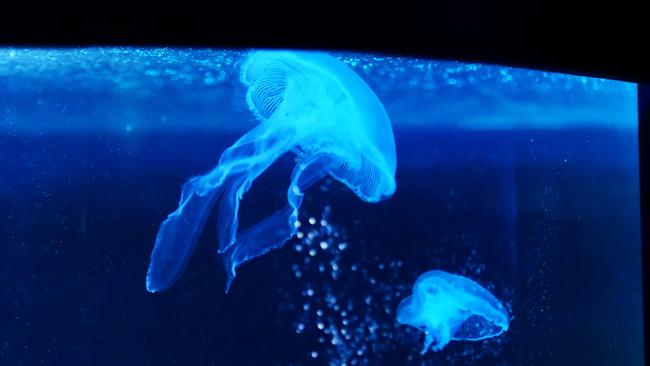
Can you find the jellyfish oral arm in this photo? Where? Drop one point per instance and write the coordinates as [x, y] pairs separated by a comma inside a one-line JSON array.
[[436, 341], [278, 228], [178, 234], [251, 155], [229, 210]]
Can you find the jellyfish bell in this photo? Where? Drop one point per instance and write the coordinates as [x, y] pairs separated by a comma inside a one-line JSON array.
[[308, 103], [330, 110], [451, 307]]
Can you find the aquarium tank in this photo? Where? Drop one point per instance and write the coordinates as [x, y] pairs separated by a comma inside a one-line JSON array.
[[178, 206]]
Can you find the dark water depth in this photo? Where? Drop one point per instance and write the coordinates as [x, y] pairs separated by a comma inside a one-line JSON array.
[[548, 220]]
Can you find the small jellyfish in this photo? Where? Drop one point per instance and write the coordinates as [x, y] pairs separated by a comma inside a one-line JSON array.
[[308, 103], [451, 307]]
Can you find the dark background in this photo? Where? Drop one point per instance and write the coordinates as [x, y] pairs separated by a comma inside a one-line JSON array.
[[600, 39]]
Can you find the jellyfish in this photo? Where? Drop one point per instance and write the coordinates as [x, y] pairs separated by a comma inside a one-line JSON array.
[[306, 103], [451, 307]]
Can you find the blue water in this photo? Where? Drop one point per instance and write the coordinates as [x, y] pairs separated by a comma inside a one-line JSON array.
[[524, 181]]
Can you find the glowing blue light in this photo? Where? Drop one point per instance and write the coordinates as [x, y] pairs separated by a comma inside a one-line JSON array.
[[307, 103], [451, 307]]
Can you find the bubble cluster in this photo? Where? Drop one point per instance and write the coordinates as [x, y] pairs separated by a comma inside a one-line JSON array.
[[346, 326]]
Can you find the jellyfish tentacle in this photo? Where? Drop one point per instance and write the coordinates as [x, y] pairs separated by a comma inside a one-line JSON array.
[[278, 228], [178, 234]]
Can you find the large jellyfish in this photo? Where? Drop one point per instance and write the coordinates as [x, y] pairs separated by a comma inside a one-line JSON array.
[[451, 307], [308, 103]]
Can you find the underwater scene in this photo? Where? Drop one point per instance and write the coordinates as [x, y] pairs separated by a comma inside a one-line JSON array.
[[177, 206]]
